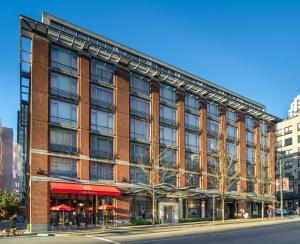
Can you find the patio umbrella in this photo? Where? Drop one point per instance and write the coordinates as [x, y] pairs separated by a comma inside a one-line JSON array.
[[106, 207], [63, 208]]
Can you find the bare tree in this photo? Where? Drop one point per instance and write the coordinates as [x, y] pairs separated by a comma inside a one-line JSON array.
[[224, 173]]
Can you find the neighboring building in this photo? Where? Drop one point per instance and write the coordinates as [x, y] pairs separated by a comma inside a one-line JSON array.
[[18, 170], [295, 107], [7, 157], [98, 109], [288, 142]]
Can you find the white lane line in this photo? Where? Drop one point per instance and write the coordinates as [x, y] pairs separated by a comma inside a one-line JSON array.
[[103, 239]]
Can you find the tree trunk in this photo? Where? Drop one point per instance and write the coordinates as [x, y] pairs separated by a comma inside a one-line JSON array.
[[223, 208], [262, 209], [153, 207]]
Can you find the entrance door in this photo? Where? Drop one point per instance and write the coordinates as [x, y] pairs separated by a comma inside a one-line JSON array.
[[168, 214], [231, 210]]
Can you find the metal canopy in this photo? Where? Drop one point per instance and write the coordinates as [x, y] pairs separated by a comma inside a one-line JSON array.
[[100, 47]]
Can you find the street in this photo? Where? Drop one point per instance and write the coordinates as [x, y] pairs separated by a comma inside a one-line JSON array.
[[287, 231]]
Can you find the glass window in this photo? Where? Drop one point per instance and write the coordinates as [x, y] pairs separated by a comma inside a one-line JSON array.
[[231, 117], [101, 71], [250, 170], [212, 163], [213, 110], [192, 141], [139, 153], [231, 151], [212, 182], [250, 186], [278, 144], [212, 127], [138, 175], [298, 126], [101, 147], [263, 140], [212, 145], [167, 94], [139, 129], [191, 121], [139, 107], [167, 136], [288, 141], [168, 177], [167, 115], [101, 171], [288, 164], [102, 121], [63, 59], [101, 96], [288, 130], [63, 113], [231, 132], [63, 167], [263, 128], [191, 102], [65, 83], [167, 157], [139, 85], [192, 180], [249, 138], [278, 132], [191, 161], [63, 140], [250, 154], [298, 138], [249, 123]]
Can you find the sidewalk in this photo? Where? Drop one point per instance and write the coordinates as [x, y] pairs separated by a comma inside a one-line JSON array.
[[142, 229]]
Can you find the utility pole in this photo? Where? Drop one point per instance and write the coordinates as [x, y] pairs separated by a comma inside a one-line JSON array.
[[281, 188]]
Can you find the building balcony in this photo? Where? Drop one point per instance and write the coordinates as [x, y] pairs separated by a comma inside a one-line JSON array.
[[67, 174], [63, 148], [102, 104], [100, 154], [62, 94], [58, 121]]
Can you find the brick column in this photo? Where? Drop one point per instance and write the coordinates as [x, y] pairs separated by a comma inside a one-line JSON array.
[[223, 131], [155, 124], [121, 145], [181, 136], [203, 143], [257, 155], [38, 133], [83, 141], [242, 150], [271, 156]]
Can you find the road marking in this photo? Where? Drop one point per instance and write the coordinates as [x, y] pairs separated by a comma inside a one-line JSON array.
[[103, 239]]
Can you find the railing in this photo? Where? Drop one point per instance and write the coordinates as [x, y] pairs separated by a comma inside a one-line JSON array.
[[63, 121], [140, 114], [101, 154], [63, 148], [97, 128], [58, 173], [192, 166], [140, 159], [213, 133], [231, 138], [63, 67], [192, 128], [169, 122], [250, 143], [102, 104], [213, 116], [64, 94], [105, 76]]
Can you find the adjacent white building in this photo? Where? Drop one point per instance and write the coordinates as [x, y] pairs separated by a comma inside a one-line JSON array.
[[295, 107]]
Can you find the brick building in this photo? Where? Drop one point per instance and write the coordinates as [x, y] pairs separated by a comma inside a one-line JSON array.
[[98, 112]]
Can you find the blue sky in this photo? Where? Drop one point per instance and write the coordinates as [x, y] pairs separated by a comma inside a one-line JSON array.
[[249, 47]]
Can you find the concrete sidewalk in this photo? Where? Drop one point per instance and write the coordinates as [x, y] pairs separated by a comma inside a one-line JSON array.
[[166, 227]]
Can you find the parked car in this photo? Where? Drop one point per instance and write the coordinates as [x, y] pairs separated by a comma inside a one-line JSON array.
[[290, 211], [278, 211]]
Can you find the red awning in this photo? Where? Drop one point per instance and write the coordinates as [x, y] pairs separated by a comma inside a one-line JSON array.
[[62, 207], [67, 188]]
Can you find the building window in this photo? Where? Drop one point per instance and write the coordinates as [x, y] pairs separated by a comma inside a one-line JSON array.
[[101, 72], [139, 85], [167, 94], [63, 59], [289, 164], [250, 186], [288, 141], [102, 121], [212, 111], [139, 129], [167, 157], [250, 170], [212, 183], [101, 171], [278, 144], [191, 122], [263, 140], [167, 136], [212, 127], [63, 113], [192, 180], [139, 107], [138, 175], [288, 130], [63, 140], [168, 177], [167, 115], [102, 97], [250, 154], [249, 123], [139, 153], [231, 151], [192, 141], [263, 129], [264, 158], [231, 117], [278, 132], [250, 138], [63, 167], [191, 102], [191, 161], [212, 145], [101, 147], [298, 126], [231, 133], [298, 138], [63, 85]]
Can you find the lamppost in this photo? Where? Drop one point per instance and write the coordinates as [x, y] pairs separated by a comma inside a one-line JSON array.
[[281, 186], [103, 202]]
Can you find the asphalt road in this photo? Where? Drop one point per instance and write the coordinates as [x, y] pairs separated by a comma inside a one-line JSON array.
[[232, 234]]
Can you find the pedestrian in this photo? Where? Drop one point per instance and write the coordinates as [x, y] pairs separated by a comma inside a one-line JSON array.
[[298, 211], [14, 224]]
